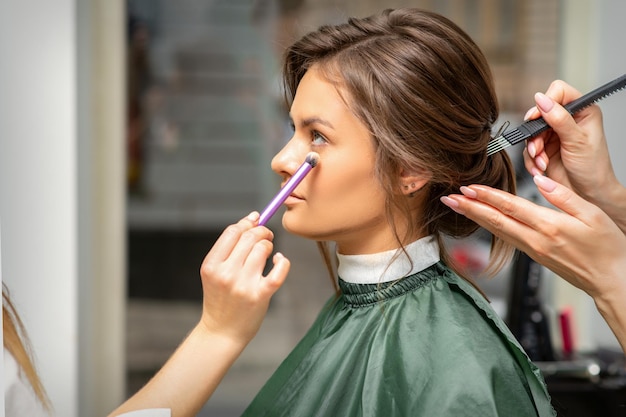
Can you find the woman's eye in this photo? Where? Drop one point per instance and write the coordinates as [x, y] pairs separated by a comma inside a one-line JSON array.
[[318, 139]]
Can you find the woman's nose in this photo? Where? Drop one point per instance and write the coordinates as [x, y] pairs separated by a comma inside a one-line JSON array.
[[288, 159]]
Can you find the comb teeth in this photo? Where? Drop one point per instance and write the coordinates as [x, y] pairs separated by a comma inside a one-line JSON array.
[[600, 97], [609, 94], [512, 137], [621, 85], [497, 144]]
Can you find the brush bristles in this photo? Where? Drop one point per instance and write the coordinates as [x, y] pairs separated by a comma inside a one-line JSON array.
[[312, 159]]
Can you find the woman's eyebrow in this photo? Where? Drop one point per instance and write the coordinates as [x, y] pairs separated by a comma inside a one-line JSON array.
[[314, 120]]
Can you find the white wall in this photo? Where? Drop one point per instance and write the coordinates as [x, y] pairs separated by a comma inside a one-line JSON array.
[[62, 216], [611, 61], [38, 184]]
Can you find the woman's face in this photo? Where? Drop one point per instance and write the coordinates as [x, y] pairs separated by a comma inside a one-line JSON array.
[[340, 199]]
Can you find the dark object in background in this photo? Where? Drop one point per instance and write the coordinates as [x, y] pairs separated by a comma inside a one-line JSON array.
[[582, 385], [526, 316], [165, 264], [588, 385]]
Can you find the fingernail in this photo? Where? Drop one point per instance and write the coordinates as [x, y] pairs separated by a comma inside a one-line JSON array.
[[541, 164], [532, 149], [544, 102], [468, 192], [530, 113], [452, 203], [254, 216], [545, 183]]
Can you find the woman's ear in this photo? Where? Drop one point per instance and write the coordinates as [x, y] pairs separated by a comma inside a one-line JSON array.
[[412, 181]]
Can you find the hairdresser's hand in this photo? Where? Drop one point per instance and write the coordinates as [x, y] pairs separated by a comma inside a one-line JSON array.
[[574, 152], [580, 244], [236, 294]]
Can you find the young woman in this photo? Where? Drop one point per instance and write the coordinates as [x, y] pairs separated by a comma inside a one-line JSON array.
[[400, 107]]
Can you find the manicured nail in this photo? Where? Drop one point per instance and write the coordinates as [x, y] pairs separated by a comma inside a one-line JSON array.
[[254, 216], [532, 149], [530, 112], [452, 203], [545, 183], [468, 192], [544, 102], [541, 164]]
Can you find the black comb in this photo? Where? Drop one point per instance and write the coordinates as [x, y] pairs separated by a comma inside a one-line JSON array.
[[532, 128]]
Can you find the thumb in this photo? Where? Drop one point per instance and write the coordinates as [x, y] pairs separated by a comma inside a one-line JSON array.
[[276, 277]]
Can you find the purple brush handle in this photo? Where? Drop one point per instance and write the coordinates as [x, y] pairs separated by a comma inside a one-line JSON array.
[[284, 192]]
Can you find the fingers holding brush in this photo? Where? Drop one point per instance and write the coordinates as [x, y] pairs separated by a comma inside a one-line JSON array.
[[229, 238], [235, 300], [236, 293]]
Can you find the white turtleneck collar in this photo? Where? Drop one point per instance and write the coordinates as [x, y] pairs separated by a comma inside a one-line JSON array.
[[376, 268]]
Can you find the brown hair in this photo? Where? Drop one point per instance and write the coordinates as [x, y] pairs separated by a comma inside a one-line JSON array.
[[425, 91], [17, 343]]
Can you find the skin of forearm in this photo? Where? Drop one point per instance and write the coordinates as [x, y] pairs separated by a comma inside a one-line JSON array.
[[611, 303], [612, 309], [614, 205], [189, 377]]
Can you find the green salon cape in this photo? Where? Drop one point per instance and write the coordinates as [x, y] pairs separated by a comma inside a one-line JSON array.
[[426, 345]]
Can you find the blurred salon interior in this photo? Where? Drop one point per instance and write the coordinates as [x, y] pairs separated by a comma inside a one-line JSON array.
[[133, 131]]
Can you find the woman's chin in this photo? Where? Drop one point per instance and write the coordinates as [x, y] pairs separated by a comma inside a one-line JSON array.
[[297, 226], [292, 225]]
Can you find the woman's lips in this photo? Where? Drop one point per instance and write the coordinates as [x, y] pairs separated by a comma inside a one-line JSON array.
[[293, 199]]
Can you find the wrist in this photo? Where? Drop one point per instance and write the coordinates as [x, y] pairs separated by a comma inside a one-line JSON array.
[[227, 340]]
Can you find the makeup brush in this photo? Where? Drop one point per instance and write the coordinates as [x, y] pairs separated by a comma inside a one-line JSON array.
[[309, 163]]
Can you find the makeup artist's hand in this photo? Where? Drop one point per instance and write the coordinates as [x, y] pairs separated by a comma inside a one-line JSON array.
[[580, 243], [236, 294], [574, 152], [236, 297]]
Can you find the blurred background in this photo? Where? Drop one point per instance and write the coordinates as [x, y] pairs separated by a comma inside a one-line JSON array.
[[132, 132]]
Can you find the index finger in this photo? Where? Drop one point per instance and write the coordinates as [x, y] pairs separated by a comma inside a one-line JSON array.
[[511, 218], [511, 206], [225, 243], [560, 93]]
